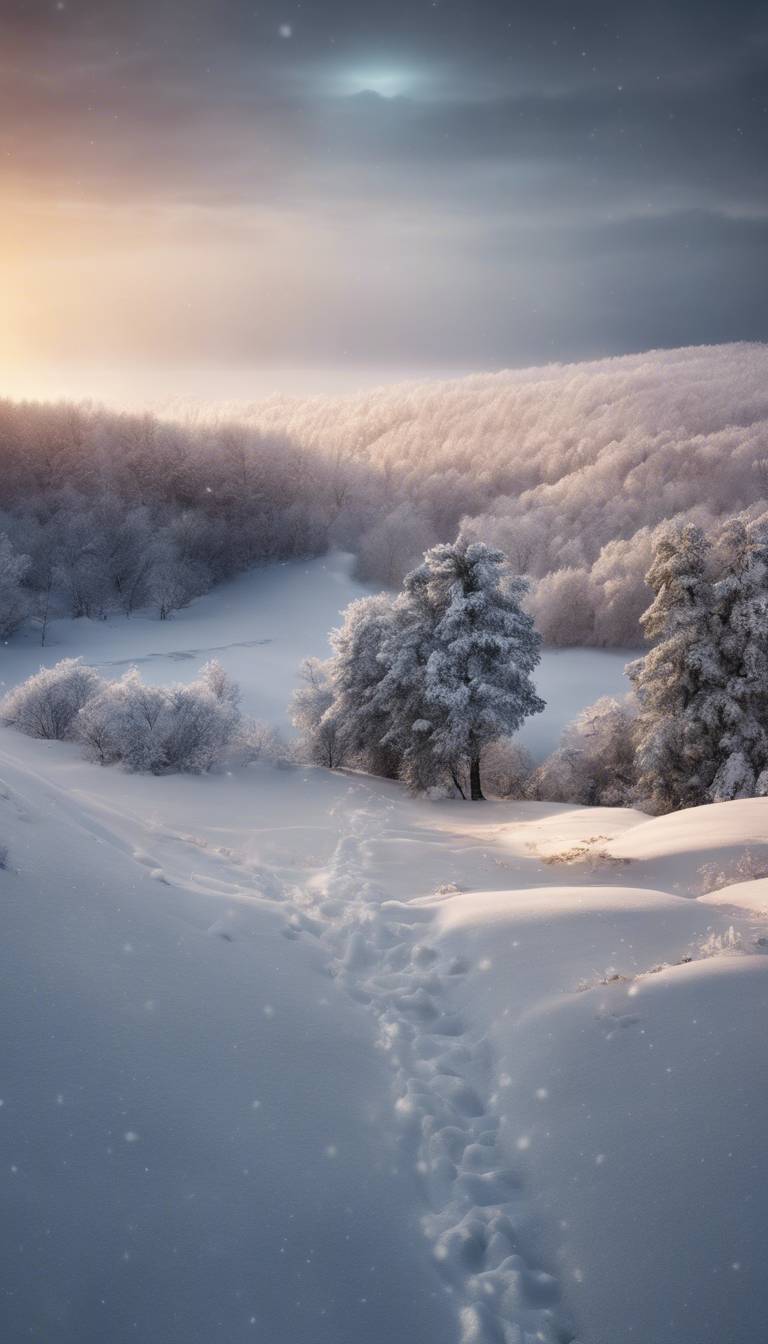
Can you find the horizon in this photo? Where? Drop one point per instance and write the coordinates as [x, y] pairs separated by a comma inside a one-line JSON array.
[[173, 391]]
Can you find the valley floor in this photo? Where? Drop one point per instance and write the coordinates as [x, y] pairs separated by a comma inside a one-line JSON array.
[[290, 1057]]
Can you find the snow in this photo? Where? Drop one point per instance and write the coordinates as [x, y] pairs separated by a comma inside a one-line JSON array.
[[192, 1107], [751, 896], [645, 1156], [680, 850], [290, 1056]]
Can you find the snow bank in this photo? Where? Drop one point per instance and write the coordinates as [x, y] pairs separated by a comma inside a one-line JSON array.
[[752, 896], [639, 1118], [698, 830]]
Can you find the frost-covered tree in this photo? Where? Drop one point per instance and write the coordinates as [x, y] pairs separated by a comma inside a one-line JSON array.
[[321, 740], [173, 580], [595, 762], [362, 672], [14, 600], [425, 681], [679, 682], [563, 604], [741, 607], [48, 703], [477, 685], [506, 768], [401, 734]]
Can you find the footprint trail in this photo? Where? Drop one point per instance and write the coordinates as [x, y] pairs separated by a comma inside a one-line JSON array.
[[441, 1083]]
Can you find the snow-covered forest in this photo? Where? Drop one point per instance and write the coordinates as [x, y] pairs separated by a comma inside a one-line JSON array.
[[570, 470]]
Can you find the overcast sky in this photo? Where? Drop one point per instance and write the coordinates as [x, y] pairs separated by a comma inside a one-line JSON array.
[[397, 185]]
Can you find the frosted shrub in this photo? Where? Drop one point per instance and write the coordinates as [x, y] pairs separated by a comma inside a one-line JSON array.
[[321, 741], [748, 867], [160, 729], [220, 684], [47, 704], [717, 944], [594, 764], [196, 727], [97, 727], [506, 768], [257, 741], [155, 729]]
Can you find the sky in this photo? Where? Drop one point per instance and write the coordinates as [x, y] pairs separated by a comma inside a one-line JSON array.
[[228, 197]]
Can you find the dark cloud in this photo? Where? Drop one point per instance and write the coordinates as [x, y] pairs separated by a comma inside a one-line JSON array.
[[463, 181]]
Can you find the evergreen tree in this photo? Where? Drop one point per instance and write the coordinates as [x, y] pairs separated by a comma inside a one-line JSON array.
[[424, 681], [680, 682], [477, 686], [363, 650], [741, 597]]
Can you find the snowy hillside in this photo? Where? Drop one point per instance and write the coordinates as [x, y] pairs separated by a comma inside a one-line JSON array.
[[568, 468], [571, 470], [291, 1057]]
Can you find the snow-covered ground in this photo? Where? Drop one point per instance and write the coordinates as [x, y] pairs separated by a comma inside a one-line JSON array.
[[291, 1057]]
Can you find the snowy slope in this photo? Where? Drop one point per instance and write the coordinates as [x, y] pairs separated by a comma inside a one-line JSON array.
[[192, 1130], [289, 1056]]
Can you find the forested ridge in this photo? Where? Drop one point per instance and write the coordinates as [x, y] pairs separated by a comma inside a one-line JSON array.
[[570, 470]]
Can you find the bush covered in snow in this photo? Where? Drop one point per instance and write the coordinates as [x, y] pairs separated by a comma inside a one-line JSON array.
[[747, 867], [321, 739], [156, 729], [48, 703], [506, 768], [595, 762]]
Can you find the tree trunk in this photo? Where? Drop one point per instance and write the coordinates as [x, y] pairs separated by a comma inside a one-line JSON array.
[[476, 792]]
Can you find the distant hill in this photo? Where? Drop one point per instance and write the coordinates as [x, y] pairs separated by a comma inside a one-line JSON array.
[[569, 468]]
